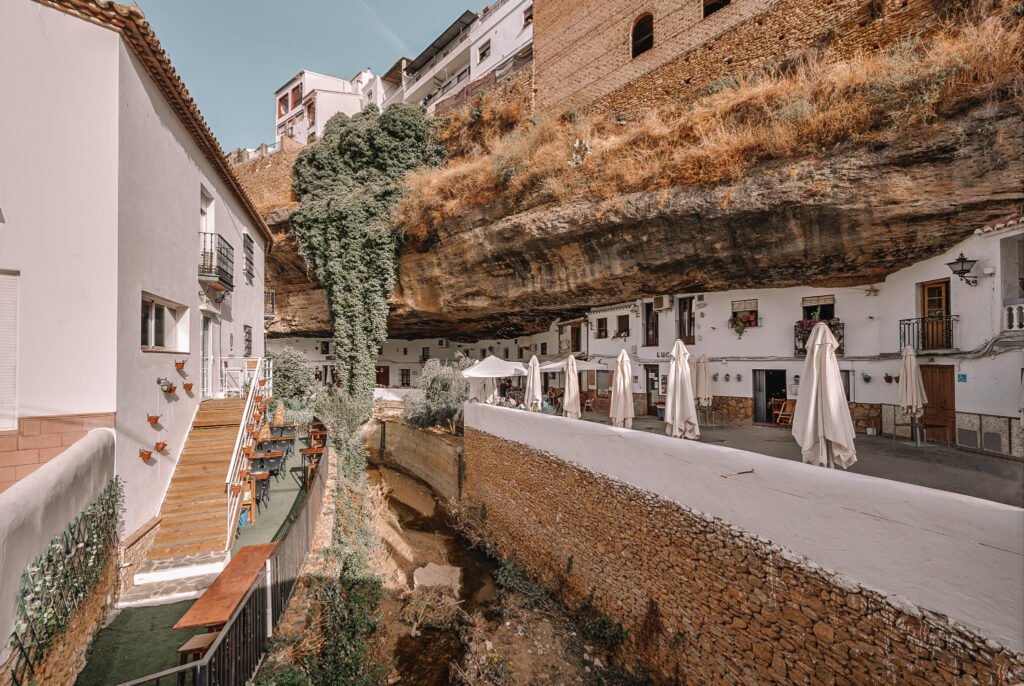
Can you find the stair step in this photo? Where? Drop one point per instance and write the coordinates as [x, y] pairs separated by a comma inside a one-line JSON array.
[[166, 592]]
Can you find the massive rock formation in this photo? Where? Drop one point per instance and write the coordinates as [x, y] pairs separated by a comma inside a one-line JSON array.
[[852, 217]]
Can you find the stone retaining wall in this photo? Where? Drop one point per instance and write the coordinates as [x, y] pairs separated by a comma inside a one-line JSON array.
[[428, 455], [705, 602], [733, 410], [132, 552]]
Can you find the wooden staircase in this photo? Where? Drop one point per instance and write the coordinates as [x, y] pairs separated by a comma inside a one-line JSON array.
[[194, 512]]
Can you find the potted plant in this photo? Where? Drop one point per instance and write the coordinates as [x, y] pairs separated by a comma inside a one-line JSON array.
[[887, 377], [236, 489], [145, 454], [243, 474], [160, 446], [171, 390], [153, 419], [187, 387], [738, 324], [179, 364], [263, 382]]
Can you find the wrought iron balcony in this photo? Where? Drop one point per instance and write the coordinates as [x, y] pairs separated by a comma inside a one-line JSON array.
[[269, 305], [802, 331], [216, 262], [928, 333]]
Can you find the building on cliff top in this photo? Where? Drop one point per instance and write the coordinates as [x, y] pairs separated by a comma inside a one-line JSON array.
[[308, 100]]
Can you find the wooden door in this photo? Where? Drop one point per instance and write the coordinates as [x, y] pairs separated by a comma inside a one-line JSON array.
[[935, 329], [384, 376], [941, 391], [651, 388]]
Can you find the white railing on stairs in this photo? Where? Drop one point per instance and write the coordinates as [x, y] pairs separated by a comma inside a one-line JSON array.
[[259, 390]]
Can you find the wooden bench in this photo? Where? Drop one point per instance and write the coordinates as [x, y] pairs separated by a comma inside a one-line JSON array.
[[195, 648], [218, 603]]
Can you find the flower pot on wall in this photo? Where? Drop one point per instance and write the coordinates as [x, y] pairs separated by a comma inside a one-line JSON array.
[[171, 390], [187, 387], [263, 382], [160, 446], [236, 489], [153, 419], [145, 454], [179, 364]]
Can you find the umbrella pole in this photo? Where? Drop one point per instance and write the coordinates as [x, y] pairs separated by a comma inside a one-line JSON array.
[[830, 460]]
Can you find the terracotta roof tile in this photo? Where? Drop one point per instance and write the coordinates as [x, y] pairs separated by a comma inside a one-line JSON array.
[[998, 224], [138, 35]]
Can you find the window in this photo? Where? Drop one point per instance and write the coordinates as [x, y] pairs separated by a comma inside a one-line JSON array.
[[247, 339], [643, 34], [369, 96], [205, 211], [744, 312], [622, 326], [8, 350], [576, 337], [484, 52], [380, 350], [602, 328], [846, 374], [821, 307], [650, 325], [528, 16], [603, 383], [325, 347], [159, 321], [687, 323], [543, 348], [483, 353], [311, 114], [405, 351], [406, 377], [506, 354], [463, 75], [282, 106], [521, 353], [712, 6], [296, 96], [247, 248], [424, 354]]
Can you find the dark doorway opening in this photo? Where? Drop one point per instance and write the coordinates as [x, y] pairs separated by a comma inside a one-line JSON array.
[[769, 384]]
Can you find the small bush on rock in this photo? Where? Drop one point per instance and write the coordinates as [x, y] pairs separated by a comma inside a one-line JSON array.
[[293, 377], [443, 391]]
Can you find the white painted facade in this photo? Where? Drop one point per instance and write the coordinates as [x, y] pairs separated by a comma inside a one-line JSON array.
[[305, 104], [103, 212]]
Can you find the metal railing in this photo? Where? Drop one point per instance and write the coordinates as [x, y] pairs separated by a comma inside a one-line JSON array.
[[236, 653], [801, 332], [216, 259], [928, 333], [259, 387]]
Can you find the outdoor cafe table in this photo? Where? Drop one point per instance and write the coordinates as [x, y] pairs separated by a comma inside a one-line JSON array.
[[281, 430], [258, 460], [214, 608]]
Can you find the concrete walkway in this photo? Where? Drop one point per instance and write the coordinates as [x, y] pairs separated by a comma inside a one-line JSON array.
[[934, 466]]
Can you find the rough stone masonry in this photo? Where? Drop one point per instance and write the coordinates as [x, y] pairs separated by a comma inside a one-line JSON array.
[[705, 602]]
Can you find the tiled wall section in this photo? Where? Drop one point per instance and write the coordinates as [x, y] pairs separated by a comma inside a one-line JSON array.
[[40, 439], [704, 602], [582, 53]]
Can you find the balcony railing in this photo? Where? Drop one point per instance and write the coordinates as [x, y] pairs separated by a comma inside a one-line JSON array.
[[1013, 317], [928, 333], [216, 261], [269, 305], [802, 331]]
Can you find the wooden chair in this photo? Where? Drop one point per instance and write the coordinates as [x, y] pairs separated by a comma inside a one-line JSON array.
[[785, 417], [776, 407]]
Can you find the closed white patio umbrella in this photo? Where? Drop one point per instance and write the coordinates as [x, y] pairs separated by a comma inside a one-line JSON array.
[[621, 410], [532, 398], [571, 400], [702, 383], [822, 425], [912, 395], [680, 408]]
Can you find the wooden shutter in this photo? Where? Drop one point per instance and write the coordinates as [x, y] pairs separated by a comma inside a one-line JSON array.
[[8, 350], [744, 305], [818, 300]]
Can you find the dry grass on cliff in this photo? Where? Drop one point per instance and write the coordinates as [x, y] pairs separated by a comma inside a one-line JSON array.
[[815, 109]]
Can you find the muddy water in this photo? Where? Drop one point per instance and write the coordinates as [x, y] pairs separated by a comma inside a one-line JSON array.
[[424, 660]]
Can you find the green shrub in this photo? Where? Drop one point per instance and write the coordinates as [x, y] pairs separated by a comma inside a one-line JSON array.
[[293, 377], [442, 393]]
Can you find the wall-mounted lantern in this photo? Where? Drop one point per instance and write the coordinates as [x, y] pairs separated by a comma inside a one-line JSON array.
[[961, 267], [739, 377]]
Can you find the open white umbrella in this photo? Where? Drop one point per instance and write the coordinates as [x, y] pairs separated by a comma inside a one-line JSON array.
[[821, 423], [621, 410], [702, 383], [494, 368], [680, 409], [571, 400], [1020, 403], [581, 365], [532, 398]]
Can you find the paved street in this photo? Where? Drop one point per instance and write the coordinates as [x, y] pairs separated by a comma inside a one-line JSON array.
[[983, 476]]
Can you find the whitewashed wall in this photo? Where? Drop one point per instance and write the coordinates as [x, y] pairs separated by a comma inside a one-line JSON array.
[[58, 192], [162, 173], [504, 28]]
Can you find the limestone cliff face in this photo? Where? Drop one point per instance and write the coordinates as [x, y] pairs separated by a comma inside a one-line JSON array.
[[849, 218]]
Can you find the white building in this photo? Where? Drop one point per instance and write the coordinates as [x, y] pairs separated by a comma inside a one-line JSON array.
[[128, 246], [308, 100]]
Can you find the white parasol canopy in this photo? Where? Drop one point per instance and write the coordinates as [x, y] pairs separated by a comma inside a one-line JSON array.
[[581, 365], [493, 368], [621, 410], [821, 423], [481, 389], [532, 398], [702, 383], [571, 401], [912, 395], [680, 409]]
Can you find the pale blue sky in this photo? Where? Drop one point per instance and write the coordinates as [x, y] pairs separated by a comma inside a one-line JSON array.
[[233, 54]]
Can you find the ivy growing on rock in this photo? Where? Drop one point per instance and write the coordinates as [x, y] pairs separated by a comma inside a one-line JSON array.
[[347, 185]]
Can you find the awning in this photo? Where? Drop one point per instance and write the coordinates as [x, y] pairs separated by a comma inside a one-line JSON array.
[[439, 44], [494, 367]]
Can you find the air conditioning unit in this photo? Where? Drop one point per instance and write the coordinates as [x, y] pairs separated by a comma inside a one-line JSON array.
[[662, 302], [442, 343], [632, 349]]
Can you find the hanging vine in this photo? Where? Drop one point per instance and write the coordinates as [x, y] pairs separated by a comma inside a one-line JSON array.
[[347, 185]]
